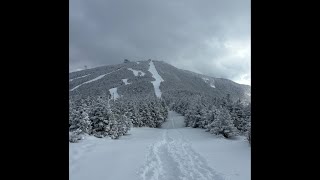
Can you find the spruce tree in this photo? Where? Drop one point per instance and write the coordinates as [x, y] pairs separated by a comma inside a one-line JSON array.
[[100, 117], [223, 124]]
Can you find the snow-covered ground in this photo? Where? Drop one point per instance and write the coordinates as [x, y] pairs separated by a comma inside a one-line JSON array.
[[114, 93], [95, 79], [125, 81], [79, 77], [155, 75], [136, 72], [171, 153]]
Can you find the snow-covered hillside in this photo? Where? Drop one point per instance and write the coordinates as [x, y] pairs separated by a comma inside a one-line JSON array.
[[152, 78], [170, 153], [92, 80]]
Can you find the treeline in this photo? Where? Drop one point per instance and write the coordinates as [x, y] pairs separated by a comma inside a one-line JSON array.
[[102, 117], [220, 116]]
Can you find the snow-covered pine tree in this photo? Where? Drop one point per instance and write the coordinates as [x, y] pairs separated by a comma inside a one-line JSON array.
[[204, 117], [249, 131], [144, 113], [114, 131], [136, 118], [223, 124], [151, 115], [196, 115], [212, 113], [164, 109], [189, 115], [78, 118], [238, 116], [140, 116], [158, 116], [100, 117], [119, 122], [130, 111], [85, 123], [75, 136], [226, 102], [74, 116]]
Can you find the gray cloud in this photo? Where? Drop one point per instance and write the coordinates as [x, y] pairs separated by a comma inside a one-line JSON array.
[[207, 36]]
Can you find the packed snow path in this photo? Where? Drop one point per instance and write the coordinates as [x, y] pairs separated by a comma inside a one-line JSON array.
[[157, 77], [171, 152], [172, 157]]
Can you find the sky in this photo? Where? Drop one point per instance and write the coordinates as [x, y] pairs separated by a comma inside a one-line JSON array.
[[211, 37]]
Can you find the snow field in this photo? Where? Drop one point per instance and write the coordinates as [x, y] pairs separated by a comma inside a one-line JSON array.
[[171, 152]]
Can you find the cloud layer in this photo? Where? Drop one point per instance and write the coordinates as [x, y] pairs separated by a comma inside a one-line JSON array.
[[211, 37]]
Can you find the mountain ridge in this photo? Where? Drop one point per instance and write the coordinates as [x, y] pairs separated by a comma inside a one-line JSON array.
[[133, 78]]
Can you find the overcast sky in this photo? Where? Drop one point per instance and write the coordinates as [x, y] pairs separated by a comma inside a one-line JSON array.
[[210, 37]]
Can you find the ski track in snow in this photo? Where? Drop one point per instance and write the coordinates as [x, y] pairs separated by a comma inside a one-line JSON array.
[[95, 79], [136, 72], [114, 93], [172, 158], [79, 77], [172, 152], [156, 83]]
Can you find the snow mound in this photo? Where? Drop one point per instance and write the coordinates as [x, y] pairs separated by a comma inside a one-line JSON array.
[[136, 72], [114, 93], [125, 81], [155, 75]]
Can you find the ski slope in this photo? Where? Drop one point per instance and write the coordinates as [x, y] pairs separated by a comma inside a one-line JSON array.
[[95, 79], [79, 77], [157, 81], [171, 153]]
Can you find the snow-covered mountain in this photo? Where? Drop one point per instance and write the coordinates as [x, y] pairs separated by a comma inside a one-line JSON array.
[[155, 78]]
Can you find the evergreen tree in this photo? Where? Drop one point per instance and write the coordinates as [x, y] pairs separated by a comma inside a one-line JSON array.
[[100, 117], [222, 124], [75, 136], [238, 116], [249, 132], [85, 123]]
